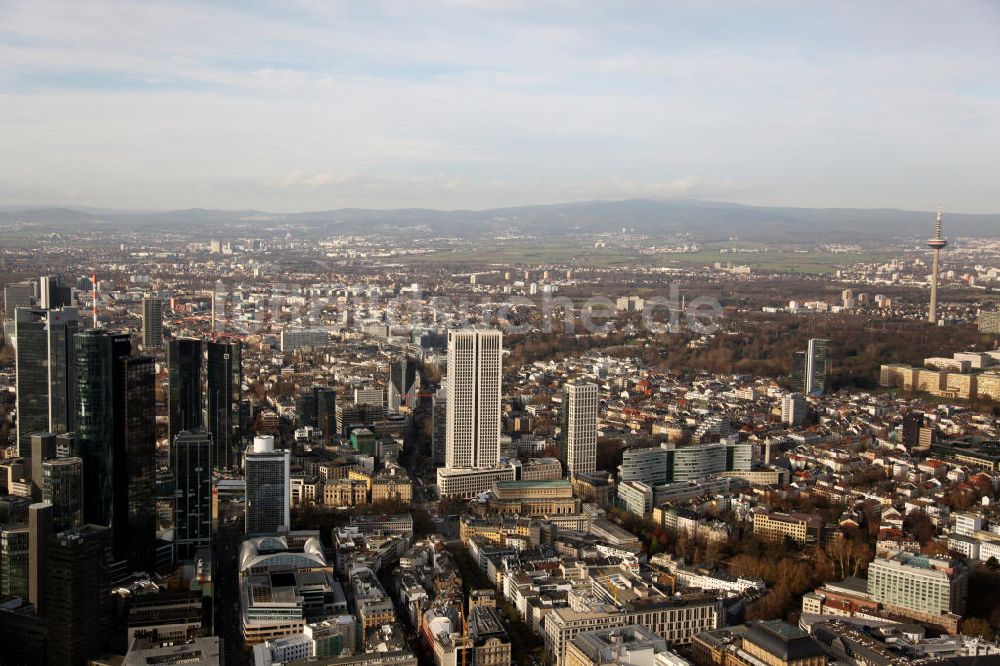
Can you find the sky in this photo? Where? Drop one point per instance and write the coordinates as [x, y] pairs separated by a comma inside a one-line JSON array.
[[308, 105]]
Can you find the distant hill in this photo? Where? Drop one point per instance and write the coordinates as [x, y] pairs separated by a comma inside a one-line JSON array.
[[704, 220]]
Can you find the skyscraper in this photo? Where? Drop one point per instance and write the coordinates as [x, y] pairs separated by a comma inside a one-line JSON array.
[[53, 292], [793, 409], [474, 377], [45, 371], [404, 383], [39, 531], [317, 407], [579, 427], [96, 352], [817, 363], [18, 295], [14, 560], [809, 368], [267, 487], [62, 487], [152, 323], [184, 392], [439, 419], [937, 244], [134, 464], [192, 457], [43, 447], [77, 594], [223, 380]]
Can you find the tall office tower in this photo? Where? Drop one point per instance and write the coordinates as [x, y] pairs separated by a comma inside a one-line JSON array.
[[404, 384], [18, 295], [579, 427], [439, 420], [62, 487], [184, 392], [96, 353], [54, 293], [799, 365], [817, 362], [43, 447], [267, 487], [39, 531], [134, 462], [14, 560], [937, 244], [474, 376], [45, 371], [223, 380], [305, 409], [326, 411], [77, 594], [152, 323], [192, 454], [793, 409]]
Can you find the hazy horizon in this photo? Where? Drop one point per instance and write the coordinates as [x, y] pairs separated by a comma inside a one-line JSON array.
[[471, 104]]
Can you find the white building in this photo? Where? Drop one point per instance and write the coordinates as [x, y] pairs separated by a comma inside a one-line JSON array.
[[472, 438], [268, 487], [580, 427]]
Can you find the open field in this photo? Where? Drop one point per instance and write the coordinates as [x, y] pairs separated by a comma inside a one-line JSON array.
[[779, 260]]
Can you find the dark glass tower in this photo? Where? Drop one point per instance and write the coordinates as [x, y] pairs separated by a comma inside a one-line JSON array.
[[77, 594], [224, 378], [62, 486], [134, 513], [192, 456], [96, 353], [184, 395], [45, 367]]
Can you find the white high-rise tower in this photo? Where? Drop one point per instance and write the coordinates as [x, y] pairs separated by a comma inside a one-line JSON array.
[[937, 244], [579, 423], [472, 438]]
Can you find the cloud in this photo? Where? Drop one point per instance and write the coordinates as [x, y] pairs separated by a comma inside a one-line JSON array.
[[456, 103]]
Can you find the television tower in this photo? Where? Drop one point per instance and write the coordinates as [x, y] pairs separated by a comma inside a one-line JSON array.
[[937, 244]]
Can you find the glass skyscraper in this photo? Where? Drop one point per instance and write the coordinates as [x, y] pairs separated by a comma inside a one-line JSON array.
[[184, 393], [134, 513], [45, 368], [224, 379], [192, 457]]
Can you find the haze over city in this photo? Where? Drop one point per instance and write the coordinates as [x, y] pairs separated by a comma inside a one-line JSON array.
[[484, 333]]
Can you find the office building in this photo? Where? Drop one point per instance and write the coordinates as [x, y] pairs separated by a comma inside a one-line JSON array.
[[184, 392], [77, 598], [293, 340], [197, 651], [62, 487], [223, 383], [439, 423], [579, 428], [152, 323], [134, 462], [39, 531], [96, 353], [45, 384], [43, 447], [767, 643], [317, 408], [18, 295], [14, 560], [404, 384], [369, 395], [809, 368], [636, 497], [669, 463], [634, 645], [793, 409], [192, 458], [474, 377], [918, 586], [53, 292], [267, 486]]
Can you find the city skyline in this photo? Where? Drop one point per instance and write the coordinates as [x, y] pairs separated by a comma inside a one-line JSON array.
[[475, 105]]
